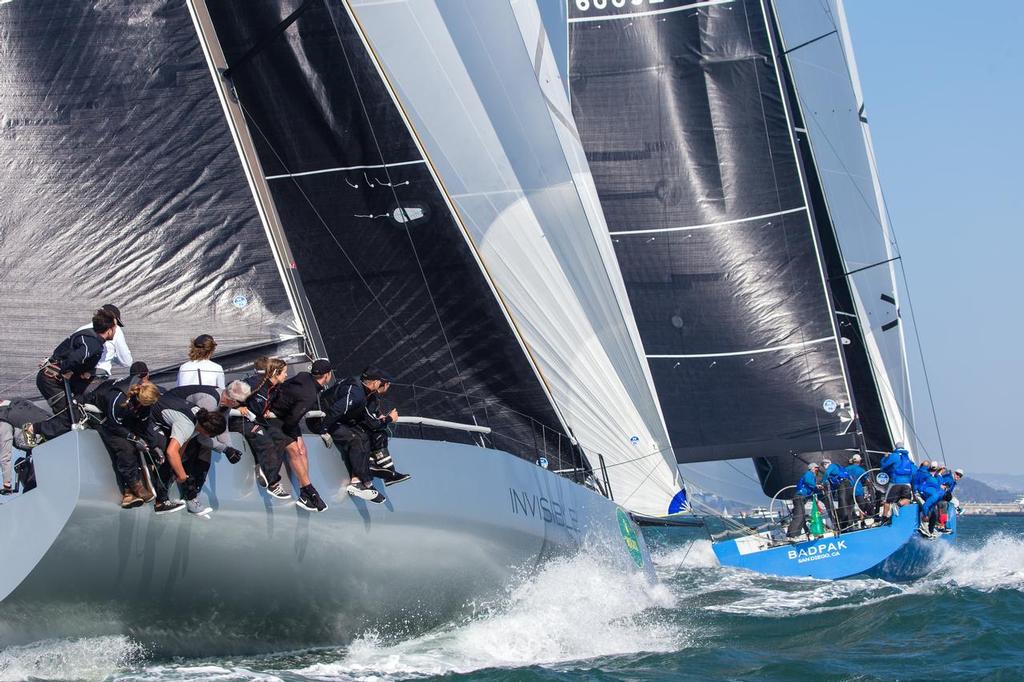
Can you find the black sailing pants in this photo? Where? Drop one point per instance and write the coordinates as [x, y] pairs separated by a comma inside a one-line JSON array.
[[267, 450], [123, 456], [53, 390], [845, 495], [195, 459], [354, 446], [798, 524]]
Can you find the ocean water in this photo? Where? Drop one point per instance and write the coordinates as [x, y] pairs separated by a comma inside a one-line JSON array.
[[579, 619]]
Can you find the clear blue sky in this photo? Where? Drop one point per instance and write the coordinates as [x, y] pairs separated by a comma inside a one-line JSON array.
[[943, 86]]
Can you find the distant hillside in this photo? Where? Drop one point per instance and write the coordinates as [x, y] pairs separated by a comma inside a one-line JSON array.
[[1011, 482], [972, 490]]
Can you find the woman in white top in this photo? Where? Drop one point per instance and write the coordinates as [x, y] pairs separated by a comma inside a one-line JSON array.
[[200, 369]]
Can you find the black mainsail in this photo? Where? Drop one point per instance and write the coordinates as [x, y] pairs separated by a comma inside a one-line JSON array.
[[688, 134]]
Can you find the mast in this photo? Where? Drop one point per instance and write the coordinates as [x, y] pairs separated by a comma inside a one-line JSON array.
[[254, 175]]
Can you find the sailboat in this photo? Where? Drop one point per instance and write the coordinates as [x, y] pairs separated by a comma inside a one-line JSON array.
[[302, 179], [730, 149]]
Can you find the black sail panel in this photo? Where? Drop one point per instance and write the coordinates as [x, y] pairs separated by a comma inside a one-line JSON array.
[[387, 272], [121, 184], [685, 126]]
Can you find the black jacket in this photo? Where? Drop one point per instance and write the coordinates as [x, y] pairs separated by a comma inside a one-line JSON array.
[[349, 404], [258, 402], [121, 415], [78, 353], [293, 399]]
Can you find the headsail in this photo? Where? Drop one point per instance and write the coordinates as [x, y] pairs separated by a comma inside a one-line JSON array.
[[120, 185], [685, 123], [508, 158]]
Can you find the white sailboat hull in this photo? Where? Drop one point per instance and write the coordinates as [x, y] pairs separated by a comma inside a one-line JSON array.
[[262, 573]]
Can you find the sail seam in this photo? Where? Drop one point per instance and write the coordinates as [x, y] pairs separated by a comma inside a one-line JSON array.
[[652, 230], [632, 15], [344, 168], [798, 344]]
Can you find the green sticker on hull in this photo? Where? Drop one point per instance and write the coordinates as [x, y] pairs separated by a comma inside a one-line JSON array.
[[631, 539]]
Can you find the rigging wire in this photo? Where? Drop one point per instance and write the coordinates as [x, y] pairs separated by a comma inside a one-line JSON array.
[[394, 194]]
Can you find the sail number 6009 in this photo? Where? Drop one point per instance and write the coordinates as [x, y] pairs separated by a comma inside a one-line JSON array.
[[584, 5]]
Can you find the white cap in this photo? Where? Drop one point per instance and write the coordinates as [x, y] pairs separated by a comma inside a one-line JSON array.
[[900, 445], [941, 465], [812, 466], [959, 472], [855, 459], [825, 461]]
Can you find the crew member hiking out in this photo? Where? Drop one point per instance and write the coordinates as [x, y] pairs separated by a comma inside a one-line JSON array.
[[806, 489], [266, 444], [382, 465], [289, 405], [124, 411], [68, 371], [898, 466], [348, 424], [13, 414], [183, 437]]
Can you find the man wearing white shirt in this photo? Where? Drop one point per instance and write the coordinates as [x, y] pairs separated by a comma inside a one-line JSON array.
[[115, 350]]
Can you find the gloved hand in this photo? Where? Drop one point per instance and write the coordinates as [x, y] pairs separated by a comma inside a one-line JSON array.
[[233, 455], [328, 441], [158, 456], [138, 443]]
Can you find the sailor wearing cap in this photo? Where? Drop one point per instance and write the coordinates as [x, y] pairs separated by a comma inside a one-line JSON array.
[[855, 471], [289, 404], [115, 349], [806, 488], [352, 416]]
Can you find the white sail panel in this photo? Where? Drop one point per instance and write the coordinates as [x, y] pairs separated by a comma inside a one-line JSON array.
[[467, 83]]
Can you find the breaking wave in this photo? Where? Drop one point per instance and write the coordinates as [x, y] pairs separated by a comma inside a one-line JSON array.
[[89, 658]]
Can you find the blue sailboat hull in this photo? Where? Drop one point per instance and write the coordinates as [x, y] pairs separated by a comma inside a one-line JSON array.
[[892, 552]]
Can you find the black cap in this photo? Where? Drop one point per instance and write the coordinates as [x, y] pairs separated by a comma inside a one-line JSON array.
[[374, 374], [113, 310], [320, 367], [138, 369]]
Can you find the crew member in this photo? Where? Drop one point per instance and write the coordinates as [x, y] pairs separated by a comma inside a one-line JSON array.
[[289, 404], [68, 370], [124, 411], [200, 370], [931, 490], [919, 477], [349, 422], [864, 506], [806, 489], [266, 444], [115, 350], [840, 492], [14, 413], [183, 436], [900, 469], [382, 465]]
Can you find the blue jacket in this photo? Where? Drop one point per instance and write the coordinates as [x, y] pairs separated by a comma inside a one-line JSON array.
[[855, 471], [947, 480], [807, 484], [929, 485], [834, 474], [920, 475], [899, 466]]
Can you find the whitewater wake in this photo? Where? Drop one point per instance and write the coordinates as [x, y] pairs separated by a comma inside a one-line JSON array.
[[90, 658]]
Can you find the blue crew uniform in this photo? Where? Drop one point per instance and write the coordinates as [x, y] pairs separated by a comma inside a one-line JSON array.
[[900, 469], [855, 472], [806, 487]]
